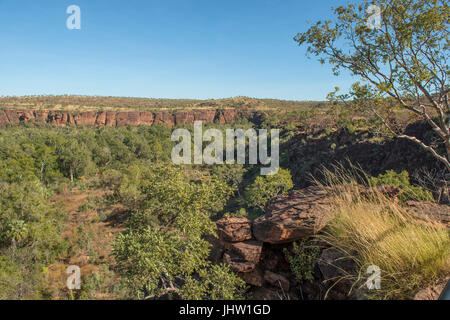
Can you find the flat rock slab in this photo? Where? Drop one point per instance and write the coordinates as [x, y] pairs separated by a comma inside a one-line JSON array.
[[296, 215]]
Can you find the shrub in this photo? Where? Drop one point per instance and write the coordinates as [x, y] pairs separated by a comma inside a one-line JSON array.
[[402, 181], [302, 259], [165, 241], [265, 188]]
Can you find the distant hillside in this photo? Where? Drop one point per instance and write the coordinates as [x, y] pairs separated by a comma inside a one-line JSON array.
[[85, 103]]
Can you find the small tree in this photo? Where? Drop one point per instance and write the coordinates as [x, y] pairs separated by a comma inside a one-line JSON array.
[[404, 58], [265, 188], [164, 250]]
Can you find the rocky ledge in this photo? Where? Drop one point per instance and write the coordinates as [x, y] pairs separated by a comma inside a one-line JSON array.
[[117, 119], [255, 249]]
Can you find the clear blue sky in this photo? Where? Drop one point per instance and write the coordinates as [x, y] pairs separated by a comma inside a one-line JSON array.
[[163, 49]]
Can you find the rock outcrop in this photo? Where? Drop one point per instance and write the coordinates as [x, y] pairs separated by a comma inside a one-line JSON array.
[[427, 211], [293, 216], [116, 119], [257, 250], [234, 229]]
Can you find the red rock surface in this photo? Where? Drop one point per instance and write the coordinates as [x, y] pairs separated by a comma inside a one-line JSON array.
[[234, 229], [243, 256], [116, 119], [293, 216]]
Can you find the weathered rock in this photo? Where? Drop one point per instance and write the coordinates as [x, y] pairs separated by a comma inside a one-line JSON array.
[[86, 118], [229, 115], [428, 211], [243, 256], [238, 264], [253, 278], [146, 118], [333, 264], [296, 215], [277, 280], [25, 115], [225, 116], [184, 118], [12, 116], [249, 251], [113, 119], [101, 119], [127, 118], [266, 294], [164, 118], [3, 118], [336, 269], [273, 258], [234, 229], [206, 116], [432, 292], [41, 115]]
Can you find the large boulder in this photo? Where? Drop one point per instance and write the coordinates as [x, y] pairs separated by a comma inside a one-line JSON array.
[[234, 229], [296, 215]]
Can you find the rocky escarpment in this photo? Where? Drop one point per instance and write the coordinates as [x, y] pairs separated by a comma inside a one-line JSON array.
[[116, 119], [255, 250]]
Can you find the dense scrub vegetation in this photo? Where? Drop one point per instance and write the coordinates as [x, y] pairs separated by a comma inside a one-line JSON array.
[[162, 215], [170, 210]]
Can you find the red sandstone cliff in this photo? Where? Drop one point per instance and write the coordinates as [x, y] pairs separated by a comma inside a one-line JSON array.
[[116, 119]]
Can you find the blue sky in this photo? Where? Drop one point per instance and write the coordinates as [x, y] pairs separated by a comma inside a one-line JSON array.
[[163, 49]]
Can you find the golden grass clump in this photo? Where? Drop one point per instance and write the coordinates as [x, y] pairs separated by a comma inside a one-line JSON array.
[[374, 230]]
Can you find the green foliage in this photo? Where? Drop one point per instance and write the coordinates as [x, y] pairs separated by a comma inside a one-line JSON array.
[[216, 282], [30, 238], [165, 239], [101, 282], [402, 181], [403, 60], [232, 174], [239, 213], [301, 259], [47, 154], [265, 188]]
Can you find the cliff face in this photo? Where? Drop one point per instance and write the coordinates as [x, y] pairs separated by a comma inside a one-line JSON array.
[[117, 119]]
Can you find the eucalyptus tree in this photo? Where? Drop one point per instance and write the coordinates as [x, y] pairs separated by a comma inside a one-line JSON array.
[[399, 49]]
